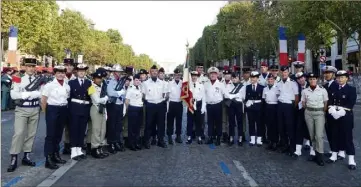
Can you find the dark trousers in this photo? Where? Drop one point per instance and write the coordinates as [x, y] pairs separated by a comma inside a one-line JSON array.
[[5, 97], [77, 128], [235, 114], [135, 119], [175, 111], [286, 125], [272, 128], [55, 118], [329, 126], [114, 123], [342, 137], [214, 119], [155, 118], [254, 120], [196, 118], [301, 127]]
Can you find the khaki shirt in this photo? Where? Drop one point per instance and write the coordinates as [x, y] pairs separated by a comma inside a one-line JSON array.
[[314, 98]]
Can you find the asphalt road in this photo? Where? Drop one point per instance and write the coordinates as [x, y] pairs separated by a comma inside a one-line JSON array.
[[180, 165]]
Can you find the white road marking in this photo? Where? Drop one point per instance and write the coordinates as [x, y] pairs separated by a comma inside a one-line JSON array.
[[57, 174], [245, 174]]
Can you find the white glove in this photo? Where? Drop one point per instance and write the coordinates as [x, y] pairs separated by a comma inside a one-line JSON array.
[[249, 103], [121, 92], [104, 99], [124, 111], [335, 115], [203, 110], [232, 96], [25, 95], [7, 80], [34, 95], [195, 106], [341, 112], [332, 110]]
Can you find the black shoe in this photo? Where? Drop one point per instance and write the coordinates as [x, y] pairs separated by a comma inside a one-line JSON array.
[[147, 145], [49, 162], [210, 140], [126, 142], [161, 143], [132, 147], [203, 137], [231, 142], [244, 137], [138, 147], [200, 141], [26, 161], [319, 159], [306, 147], [265, 140], [351, 167], [111, 148], [294, 155], [328, 155], [225, 137], [270, 146], [340, 157], [88, 149], [66, 150], [13, 164], [57, 159], [218, 141], [102, 152], [193, 134], [178, 139], [189, 141], [154, 141], [240, 143], [170, 140], [311, 158], [329, 161], [119, 147], [95, 153], [284, 149]]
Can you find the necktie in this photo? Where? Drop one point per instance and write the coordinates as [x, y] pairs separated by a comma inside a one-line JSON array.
[[82, 82], [137, 87], [30, 79], [194, 85], [269, 86], [254, 88]]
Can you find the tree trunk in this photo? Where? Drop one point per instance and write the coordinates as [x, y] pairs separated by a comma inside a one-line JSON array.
[[344, 52]]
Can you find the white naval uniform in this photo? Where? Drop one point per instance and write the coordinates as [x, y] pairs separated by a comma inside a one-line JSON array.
[[214, 96], [263, 80]]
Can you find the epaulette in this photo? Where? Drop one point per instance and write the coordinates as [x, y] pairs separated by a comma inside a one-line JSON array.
[[16, 79], [320, 86]]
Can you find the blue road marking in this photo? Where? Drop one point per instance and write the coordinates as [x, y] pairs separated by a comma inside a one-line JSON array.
[[17, 179], [211, 146], [13, 181], [224, 168]]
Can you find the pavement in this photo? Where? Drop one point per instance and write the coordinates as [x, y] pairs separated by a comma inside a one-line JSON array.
[[180, 165]]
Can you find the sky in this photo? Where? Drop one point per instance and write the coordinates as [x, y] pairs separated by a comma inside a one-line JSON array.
[[157, 28]]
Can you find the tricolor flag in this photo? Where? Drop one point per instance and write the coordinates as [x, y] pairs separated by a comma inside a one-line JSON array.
[[301, 48], [283, 46], [186, 94]]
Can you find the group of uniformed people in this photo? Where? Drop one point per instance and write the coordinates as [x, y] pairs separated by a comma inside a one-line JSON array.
[[115, 109]]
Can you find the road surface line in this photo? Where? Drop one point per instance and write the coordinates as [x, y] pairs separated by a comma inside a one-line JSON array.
[[245, 174], [224, 168], [49, 181]]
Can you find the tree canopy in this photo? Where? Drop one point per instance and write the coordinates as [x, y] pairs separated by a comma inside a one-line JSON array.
[[43, 29], [252, 27]]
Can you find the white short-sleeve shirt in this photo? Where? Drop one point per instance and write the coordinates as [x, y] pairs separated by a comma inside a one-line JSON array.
[[56, 93]]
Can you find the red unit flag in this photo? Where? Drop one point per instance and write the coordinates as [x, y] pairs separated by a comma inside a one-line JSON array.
[[186, 93]]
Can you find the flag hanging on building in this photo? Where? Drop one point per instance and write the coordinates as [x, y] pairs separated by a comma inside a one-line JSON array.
[[301, 47], [186, 93], [283, 46]]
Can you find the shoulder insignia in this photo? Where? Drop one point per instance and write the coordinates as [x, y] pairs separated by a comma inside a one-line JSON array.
[[16, 79], [321, 86]]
